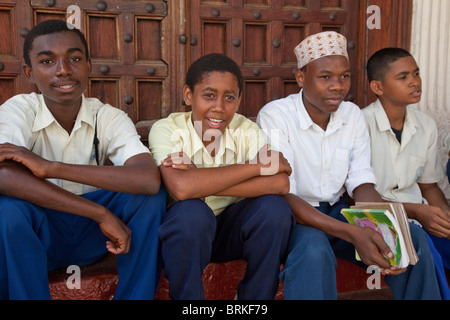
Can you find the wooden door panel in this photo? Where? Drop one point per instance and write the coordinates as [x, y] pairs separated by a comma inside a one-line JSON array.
[[103, 47], [7, 23], [255, 45], [106, 90], [7, 88], [8, 54]]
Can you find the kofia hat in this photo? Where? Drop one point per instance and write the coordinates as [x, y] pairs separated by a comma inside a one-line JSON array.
[[320, 45]]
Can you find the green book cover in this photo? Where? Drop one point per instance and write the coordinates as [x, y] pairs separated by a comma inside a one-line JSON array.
[[382, 222]]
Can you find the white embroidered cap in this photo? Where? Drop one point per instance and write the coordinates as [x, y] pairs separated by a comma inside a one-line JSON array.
[[320, 45]]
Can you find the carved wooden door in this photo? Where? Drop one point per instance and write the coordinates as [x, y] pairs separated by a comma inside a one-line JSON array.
[[141, 49], [260, 35]]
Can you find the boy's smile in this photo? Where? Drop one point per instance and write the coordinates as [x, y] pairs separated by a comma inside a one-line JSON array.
[[214, 101], [59, 68]]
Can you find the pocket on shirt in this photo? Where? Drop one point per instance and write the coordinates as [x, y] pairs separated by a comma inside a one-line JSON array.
[[415, 167], [340, 166]]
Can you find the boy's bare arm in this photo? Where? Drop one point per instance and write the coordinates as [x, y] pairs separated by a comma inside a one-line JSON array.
[[139, 174], [258, 186], [185, 181], [435, 197], [18, 181], [366, 193]]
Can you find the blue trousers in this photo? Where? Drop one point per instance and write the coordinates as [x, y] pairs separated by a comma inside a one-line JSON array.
[[440, 248], [34, 240], [254, 229], [448, 170], [310, 268]]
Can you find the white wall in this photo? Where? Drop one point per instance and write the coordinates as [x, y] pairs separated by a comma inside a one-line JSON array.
[[430, 45]]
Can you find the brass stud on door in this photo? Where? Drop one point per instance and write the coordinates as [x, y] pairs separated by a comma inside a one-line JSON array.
[[104, 69], [101, 5], [128, 100]]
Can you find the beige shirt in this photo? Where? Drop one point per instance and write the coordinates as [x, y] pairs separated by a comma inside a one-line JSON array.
[[241, 142], [26, 121], [400, 167]]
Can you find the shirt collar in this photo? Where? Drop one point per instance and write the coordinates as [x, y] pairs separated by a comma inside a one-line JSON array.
[[45, 118], [381, 117], [226, 139], [383, 120]]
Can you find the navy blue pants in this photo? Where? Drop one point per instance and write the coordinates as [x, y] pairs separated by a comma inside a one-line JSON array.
[[310, 269], [254, 229], [448, 170], [34, 240]]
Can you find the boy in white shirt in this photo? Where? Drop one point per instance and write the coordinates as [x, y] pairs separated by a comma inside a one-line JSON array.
[[327, 144], [404, 145], [59, 204]]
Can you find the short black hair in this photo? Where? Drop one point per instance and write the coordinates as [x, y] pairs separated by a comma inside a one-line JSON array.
[[49, 27], [378, 64], [213, 62]]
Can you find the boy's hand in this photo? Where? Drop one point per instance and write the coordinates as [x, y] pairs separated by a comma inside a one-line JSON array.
[[118, 233], [36, 164], [178, 160], [433, 219], [372, 249]]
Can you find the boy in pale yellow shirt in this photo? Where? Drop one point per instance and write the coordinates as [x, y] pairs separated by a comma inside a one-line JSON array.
[[226, 201]]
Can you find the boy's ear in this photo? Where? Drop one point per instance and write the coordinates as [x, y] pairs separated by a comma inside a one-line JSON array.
[[28, 72], [238, 103], [300, 78], [89, 65], [376, 87], [187, 95]]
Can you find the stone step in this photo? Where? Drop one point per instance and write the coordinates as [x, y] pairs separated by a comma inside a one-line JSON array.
[[99, 281]]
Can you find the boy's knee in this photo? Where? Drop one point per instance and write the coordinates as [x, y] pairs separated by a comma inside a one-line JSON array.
[[188, 219], [275, 211], [16, 213], [300, 248]]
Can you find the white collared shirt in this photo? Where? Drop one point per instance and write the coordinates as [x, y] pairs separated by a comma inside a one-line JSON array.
[[400, 167], [325, 163], [26, 121], [240, 142]]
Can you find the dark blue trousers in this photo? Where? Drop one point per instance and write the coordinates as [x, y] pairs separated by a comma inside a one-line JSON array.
[[34, 240], [254, 229], [448, 170], [310, 269]]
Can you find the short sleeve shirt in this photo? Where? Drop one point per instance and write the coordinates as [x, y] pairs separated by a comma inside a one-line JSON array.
[[324, 164], [240, 142], [26, 121], [399, 168]]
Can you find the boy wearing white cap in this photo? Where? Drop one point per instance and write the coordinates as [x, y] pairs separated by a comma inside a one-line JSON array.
[[326, 141]]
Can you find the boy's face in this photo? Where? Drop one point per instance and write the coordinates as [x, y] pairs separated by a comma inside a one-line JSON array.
[[59, 68], [402, 84], [214, 102], [325, 82]]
